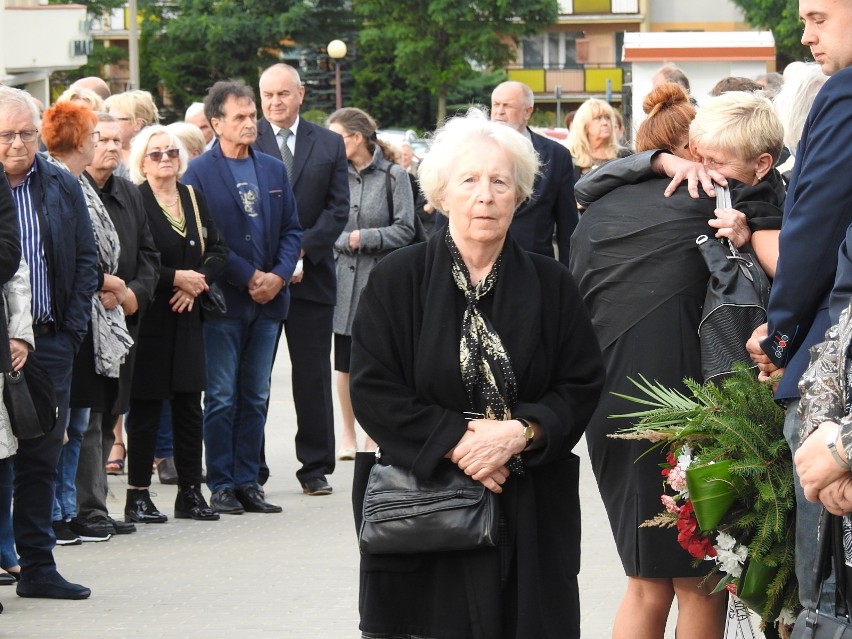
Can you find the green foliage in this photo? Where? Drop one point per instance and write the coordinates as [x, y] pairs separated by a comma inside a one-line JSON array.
[[736, 421], [314, 115], [782, 18], [435, 44]]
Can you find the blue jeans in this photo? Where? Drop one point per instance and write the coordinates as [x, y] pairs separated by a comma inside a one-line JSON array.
[[35, 466], [65, 502], [239, 352], [8, 556]]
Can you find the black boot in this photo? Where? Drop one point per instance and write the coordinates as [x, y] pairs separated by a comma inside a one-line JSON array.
[[140, 509], [190, 504]]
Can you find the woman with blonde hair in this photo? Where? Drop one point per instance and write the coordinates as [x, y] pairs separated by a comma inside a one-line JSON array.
[[592, 140], [134, 110]]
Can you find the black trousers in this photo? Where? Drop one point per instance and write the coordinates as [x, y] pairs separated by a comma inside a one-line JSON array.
[[142, 425]]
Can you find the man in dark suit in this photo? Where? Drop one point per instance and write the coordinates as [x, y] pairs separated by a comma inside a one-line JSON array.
[[249, 196], [817, 213], [551, 207], [59, 247], [319, 178]]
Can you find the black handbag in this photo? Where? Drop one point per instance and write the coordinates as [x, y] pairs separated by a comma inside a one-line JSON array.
[[30, 400], [212, 300], [812, 624], [405, 514], [734, 304]]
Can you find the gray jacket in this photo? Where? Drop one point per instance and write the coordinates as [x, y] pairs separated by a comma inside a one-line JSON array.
[[368, 212]]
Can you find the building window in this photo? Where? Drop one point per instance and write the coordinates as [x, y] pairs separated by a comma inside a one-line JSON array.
[[551, 51]]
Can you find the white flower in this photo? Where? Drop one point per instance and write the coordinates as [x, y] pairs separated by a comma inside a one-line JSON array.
[[684, 460], [786, 617], [730, 555]]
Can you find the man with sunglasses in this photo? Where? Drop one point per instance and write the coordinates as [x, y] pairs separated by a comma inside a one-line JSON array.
[[59, 247], [250, 199]]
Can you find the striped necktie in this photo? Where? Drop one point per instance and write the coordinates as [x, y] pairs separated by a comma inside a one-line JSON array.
[[286, 154]]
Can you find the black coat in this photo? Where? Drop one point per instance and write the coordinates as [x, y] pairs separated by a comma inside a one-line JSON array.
[[139, 267], [551, 208], [170, 358], [407, 393], [10, 257]]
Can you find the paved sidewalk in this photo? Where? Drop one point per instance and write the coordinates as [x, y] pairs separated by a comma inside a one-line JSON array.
[[291, 576]]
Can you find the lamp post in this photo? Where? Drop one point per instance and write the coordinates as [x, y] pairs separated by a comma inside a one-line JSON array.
[[337, 49]]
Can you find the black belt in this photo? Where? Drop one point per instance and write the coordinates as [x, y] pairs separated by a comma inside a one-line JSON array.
[[40, 330]]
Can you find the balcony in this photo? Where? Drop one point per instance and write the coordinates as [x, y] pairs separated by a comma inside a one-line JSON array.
[[599, 8], [66, 47], [579, 83]]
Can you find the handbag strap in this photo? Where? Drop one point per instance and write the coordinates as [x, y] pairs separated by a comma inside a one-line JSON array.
[[197, 218], [830, 556]]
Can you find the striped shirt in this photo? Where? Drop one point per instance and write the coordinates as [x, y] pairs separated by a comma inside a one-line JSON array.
[[32, 248]]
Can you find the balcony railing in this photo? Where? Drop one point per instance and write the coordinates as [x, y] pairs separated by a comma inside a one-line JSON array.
[[586, 79], [598, 7]]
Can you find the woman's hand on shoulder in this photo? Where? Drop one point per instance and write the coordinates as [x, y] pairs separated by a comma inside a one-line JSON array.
[[695, 173]]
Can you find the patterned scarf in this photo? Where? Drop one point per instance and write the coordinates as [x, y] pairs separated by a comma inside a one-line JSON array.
[[111, 340], [485, 365]]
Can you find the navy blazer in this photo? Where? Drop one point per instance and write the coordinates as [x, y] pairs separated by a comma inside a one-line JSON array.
[[551, 205], [69, 245], [321, 187], [209, 173], [817, 213]]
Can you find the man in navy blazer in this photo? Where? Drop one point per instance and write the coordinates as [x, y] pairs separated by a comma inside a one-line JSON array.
[[551, 207], [321, 185], [249, 196], [817, 213]]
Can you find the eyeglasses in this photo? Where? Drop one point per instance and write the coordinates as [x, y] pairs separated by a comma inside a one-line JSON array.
[[7, 137], [96, 136], [157, 156]]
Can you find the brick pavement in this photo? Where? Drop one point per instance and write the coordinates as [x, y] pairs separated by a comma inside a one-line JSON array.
[[289, 576]]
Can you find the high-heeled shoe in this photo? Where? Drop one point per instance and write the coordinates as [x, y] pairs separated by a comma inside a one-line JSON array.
[[190, 504], [140, 509]]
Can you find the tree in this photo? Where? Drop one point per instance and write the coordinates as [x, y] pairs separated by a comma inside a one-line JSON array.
[[782, 18], [437, 43], [189, 45]]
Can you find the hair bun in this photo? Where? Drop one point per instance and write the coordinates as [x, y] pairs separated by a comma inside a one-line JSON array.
[[664, 96]]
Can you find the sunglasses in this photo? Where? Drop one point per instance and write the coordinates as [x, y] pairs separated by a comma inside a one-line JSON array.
[[156, 156]]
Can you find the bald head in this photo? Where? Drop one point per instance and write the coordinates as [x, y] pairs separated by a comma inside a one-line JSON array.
[[93, 83], [512, 104], [281, 94]]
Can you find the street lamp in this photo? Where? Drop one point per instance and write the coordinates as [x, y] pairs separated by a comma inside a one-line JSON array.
[[337, 50]]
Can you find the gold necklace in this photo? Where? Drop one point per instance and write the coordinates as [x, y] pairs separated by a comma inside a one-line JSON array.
[[174, 202]]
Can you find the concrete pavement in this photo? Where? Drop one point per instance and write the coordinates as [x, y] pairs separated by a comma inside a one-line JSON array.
[[291, 576]]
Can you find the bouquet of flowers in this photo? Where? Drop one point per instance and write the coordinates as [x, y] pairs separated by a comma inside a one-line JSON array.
[[728, 486]]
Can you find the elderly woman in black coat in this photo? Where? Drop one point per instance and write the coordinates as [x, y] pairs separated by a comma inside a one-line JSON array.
[[470, 323]]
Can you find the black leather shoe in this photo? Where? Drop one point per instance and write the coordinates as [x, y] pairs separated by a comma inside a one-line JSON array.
[[316, 486], [224, 501], [190, 504], [122, 527], [166, 471], [51, 586], [7, 579], [251, 497], [141, 509]]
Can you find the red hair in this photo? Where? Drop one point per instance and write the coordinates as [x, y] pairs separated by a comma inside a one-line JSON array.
[[65, 125]]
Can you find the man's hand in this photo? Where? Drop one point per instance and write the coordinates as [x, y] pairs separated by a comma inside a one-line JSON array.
[[355, 240], [131, 304], [815, 464], [19, 350], [113, 292], [263, 287], [694, 173]]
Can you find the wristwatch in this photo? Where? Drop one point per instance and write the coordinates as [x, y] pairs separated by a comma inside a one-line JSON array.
[[831, 442], [529, 433]]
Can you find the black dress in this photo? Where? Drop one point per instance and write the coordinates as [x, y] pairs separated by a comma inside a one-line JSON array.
[[643, 280]]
